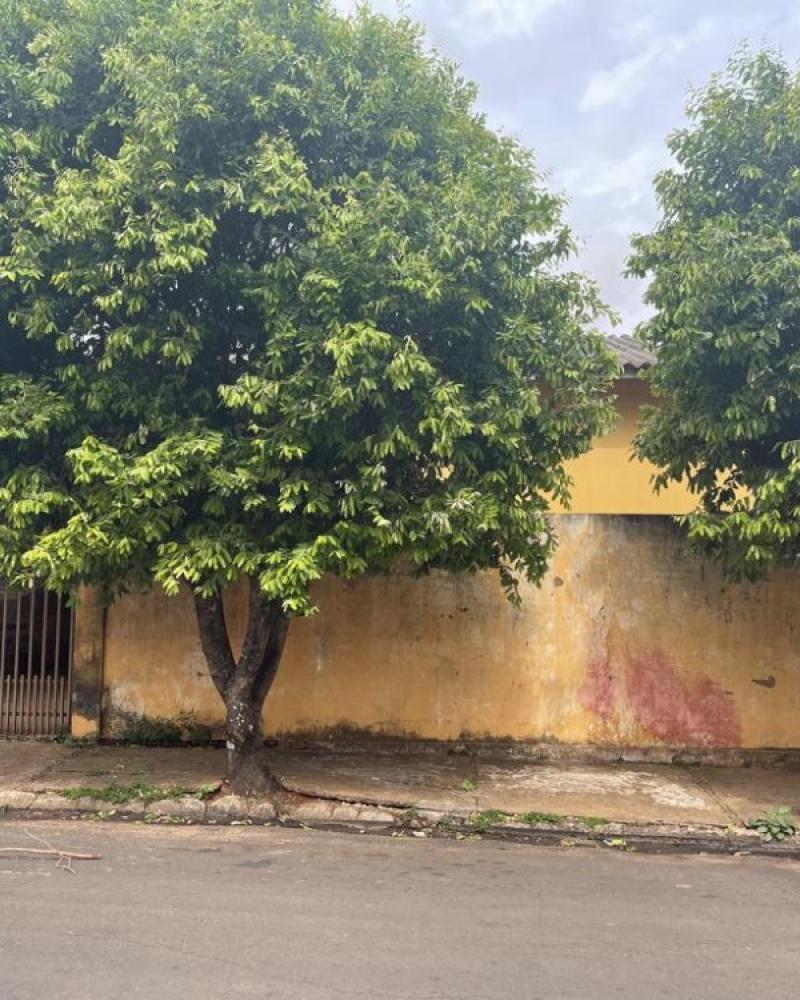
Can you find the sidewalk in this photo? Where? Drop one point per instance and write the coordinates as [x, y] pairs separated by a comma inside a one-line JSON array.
[[419, 791]]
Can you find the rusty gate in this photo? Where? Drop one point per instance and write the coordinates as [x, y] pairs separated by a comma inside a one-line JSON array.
[[36, 632]]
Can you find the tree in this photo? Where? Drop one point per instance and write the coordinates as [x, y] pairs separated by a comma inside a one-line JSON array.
[[726, 289], [276, 303]]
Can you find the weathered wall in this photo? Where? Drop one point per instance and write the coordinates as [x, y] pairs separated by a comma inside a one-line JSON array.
[[87, 664], [607, 480], [630, 640]]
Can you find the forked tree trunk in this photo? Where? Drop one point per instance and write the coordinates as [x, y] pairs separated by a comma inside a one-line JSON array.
[[243, 684]]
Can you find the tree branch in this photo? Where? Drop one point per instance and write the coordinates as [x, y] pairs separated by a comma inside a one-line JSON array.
[[273, 654], [259, 625], [215, 640]]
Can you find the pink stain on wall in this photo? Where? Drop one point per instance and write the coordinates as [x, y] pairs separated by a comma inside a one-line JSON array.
[[599, 691], [662, 702]]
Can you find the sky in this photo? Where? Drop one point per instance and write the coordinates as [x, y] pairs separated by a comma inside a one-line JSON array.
[[594, 87]]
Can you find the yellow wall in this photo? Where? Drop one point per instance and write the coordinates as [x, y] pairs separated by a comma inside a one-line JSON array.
[[630, 640], [609, 481]]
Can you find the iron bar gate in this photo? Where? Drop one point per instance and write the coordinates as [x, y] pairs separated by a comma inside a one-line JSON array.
[[36, 633]]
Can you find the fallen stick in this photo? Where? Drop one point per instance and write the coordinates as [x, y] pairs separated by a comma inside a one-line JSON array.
[[63, 856], [54, 853]]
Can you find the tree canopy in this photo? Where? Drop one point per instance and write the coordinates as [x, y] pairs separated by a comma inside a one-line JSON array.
[[274, 301], [725, 268]]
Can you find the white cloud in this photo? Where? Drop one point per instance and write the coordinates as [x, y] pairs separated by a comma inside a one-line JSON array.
[[480, 21], [625, 181], [602, 257], [628, 76], [473, 22], [634, 30], [608, 86]]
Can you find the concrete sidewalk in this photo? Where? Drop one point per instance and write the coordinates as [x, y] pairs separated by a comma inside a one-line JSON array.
[[327, 786]]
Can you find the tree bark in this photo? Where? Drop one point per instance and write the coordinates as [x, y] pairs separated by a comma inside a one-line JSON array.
[[244, 683]]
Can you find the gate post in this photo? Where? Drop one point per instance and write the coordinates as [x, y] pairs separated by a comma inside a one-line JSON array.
[[87, 663]]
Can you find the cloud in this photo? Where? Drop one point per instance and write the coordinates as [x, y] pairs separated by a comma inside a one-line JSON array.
[[634, 30], [473, 22], [479, 21], [625, 181], [608, 86], [627, 77], [603, 257]]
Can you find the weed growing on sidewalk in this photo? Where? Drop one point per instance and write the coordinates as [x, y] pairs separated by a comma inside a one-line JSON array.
[[556, 819], [484, 821], [139, 791], [593, 821], [535, 818], [411, 818], [778, 824]]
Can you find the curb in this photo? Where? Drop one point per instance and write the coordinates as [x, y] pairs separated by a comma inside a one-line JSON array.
[[295, 810], [219, 810]]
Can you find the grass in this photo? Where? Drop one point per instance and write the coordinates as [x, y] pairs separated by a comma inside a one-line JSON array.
[[535, 818], [411, 816], [483, 821], [139, 791], [593, 821]]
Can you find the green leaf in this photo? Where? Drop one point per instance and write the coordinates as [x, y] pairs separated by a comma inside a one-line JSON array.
[[276, 302], [723, 269]]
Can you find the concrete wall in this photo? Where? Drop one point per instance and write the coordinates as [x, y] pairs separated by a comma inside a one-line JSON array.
[[630, 640]]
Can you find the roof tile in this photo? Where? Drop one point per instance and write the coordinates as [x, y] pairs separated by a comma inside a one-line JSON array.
[[633, 356]]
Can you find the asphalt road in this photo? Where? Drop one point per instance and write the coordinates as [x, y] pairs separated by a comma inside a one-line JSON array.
[[269, 913]]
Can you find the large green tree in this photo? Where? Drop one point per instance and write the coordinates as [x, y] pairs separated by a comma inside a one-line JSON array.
[[274, 303], [725, 267]]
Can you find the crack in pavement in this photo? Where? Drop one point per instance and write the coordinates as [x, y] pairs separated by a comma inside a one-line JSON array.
[[705, 786]]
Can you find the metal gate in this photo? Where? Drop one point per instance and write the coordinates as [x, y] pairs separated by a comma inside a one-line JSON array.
[[36, 631]]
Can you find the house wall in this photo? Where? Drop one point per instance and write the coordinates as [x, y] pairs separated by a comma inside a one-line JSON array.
[[608, 480], [630, 640]]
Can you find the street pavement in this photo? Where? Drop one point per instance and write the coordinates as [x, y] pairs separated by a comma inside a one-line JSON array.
[[236, 912]]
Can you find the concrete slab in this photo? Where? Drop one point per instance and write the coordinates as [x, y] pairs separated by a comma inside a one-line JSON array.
[[618, 792], [10, 799], [454, 784], [97, 767], [750, 792], [423, 781], [25, 761]]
